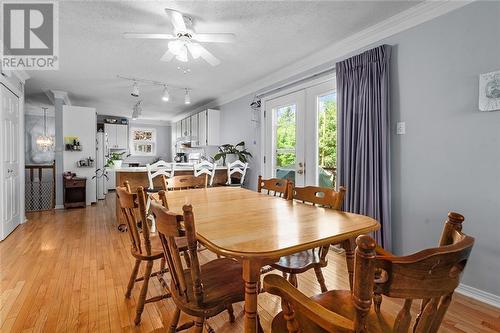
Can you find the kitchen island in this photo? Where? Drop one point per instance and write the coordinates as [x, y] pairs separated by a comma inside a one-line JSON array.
[[138, 176]]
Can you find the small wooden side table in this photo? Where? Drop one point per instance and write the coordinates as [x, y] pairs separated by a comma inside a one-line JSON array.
[[75, 192]]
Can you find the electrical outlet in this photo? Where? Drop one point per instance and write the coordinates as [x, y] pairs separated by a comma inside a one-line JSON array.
[[401, 128]]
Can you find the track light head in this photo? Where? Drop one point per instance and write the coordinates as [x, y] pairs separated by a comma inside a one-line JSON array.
[[187, 97], [135, 89]]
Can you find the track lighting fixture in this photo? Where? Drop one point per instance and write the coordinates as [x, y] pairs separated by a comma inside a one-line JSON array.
[[137, 110], [167, 89], [166, 95], [135, 89]]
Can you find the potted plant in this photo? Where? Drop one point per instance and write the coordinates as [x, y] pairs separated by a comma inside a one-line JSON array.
[[115, 160], [238, 151]]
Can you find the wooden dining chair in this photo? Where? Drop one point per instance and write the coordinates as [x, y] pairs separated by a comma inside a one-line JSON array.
[[274, 186], [202, 291], [186, 182], [430, 276], [144, 248], [314, 258]]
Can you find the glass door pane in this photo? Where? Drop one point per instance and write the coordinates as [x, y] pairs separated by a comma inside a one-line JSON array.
[[327, 139], [285, 136]]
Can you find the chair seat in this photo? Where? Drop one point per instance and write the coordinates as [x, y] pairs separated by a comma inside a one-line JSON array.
[[340, 302], [222, 285], [299, 262]]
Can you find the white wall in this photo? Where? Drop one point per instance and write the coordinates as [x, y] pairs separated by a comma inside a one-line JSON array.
[[163, 140], [236, 126], [450, 157], [82, 123]]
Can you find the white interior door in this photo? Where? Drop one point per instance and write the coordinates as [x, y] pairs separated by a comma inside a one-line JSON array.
[[300, 135], [285, 151], [10, 187]]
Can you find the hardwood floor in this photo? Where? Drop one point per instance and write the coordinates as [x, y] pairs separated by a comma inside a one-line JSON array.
[[67, 271]]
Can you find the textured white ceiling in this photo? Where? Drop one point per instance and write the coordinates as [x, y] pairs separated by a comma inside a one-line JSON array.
[[269, 36]]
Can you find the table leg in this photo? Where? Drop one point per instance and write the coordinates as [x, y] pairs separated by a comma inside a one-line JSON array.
[[348, 246], [251, 276]]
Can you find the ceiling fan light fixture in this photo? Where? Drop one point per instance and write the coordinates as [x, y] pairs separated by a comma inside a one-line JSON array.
[[135, 89], [166, 95], [187, 97]]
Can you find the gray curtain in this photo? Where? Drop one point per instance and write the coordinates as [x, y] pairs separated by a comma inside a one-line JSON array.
[[363, 157]]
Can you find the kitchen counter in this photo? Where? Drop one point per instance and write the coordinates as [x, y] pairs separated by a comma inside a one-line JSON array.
[[177, 167], [138, 176]]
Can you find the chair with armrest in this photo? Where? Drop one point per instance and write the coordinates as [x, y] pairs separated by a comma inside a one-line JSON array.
[[314, 258], [202, 291], [430, 275]]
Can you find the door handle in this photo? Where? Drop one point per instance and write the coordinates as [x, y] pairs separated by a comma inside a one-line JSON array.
[[300, 171]]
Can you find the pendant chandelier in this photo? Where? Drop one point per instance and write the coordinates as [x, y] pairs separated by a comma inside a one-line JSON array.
[[45, 142]]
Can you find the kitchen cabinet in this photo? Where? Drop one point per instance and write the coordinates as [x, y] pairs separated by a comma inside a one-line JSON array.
[[194, 130], [202, 128], [178, 129], [186, 127], [117, 136]]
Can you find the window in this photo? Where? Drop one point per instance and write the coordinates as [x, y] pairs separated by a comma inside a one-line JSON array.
[[143, 141]]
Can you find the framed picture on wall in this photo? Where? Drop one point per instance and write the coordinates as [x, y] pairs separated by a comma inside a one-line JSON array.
[[142, 141], [489, 91]]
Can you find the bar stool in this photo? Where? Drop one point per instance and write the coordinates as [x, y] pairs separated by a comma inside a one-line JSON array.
[[236, 167], [207, 168], [159, 169]]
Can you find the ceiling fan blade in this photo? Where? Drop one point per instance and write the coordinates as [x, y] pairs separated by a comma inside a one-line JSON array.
[[194, 49], [207, 56], [148, 36], [167, 56], [177, 20], [215, 38]]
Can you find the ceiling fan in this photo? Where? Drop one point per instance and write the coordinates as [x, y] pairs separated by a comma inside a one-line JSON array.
[[184, 40]]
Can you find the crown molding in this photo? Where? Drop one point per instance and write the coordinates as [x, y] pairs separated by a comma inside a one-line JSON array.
[[157, 122], [405, 20], [21, 75], [58, 94]]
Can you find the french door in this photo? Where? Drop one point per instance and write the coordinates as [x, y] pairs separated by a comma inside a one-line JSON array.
[[9, 153], [300, 135]]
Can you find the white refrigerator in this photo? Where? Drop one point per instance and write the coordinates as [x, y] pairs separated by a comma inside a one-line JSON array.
[[101, 174]]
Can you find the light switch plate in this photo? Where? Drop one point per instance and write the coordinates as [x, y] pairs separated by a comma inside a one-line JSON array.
[[401, 128]]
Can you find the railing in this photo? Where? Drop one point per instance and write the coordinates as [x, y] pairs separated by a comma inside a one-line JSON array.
[[40, 187]]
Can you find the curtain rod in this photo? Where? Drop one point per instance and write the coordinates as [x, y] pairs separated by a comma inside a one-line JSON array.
[[296, 82]]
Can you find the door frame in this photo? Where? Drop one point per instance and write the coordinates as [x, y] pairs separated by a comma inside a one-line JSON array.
[[18, 90], [265, 160]]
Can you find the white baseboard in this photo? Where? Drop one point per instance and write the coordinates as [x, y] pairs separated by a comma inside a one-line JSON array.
[[59, 207], [479, 295]]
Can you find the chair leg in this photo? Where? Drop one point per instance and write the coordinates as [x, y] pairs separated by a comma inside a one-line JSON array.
[[175, 321], [198, 325], [230, 311], [133, 276], [144, 290], [293, 280], [321, 279]]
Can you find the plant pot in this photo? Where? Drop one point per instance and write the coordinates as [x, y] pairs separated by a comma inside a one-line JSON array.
[[117, 164], [230, 158]]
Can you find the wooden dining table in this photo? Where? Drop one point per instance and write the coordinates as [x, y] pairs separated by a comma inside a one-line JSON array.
[[257, 229]]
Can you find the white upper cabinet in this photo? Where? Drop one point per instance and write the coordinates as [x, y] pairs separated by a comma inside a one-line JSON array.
[[203, 128], [194, 130], [117, 136]]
